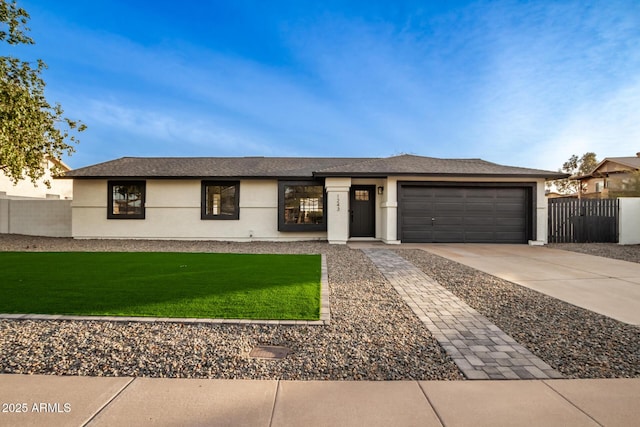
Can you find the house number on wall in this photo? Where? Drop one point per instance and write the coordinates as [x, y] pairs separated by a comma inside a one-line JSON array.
[[338, 202]]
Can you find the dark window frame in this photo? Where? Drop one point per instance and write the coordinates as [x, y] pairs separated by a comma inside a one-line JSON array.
[[282, 226], [143, 192], [203, 200]]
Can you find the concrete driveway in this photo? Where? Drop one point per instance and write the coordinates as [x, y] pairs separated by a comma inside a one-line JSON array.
[[606, 286]]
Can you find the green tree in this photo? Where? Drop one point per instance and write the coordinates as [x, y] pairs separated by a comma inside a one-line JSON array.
[[575, 166], [31, 129]]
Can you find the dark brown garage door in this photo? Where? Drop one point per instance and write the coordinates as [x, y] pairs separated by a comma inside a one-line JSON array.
[[434, 214]]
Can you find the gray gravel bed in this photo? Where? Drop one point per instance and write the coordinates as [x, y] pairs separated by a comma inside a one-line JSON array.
[[577, 342], [629, 253], [373, 335]]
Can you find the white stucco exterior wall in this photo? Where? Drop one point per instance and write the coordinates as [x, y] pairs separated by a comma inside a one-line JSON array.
[[542, 214], [389, 211], [172, 211], [337, 214], [629, 221]]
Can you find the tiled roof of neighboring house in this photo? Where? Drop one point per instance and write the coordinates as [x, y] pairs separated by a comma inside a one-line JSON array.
[[297, 167]]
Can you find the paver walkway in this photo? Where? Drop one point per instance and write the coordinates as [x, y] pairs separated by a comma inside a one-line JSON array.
[[478, 347]]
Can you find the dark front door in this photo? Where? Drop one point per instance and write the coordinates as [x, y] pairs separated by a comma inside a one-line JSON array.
[[363, 210]]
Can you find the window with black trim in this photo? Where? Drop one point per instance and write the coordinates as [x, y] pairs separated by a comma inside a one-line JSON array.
[[301, 206], [126, 199], [220, 200]]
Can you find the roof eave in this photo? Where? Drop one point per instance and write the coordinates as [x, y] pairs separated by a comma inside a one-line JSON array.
[[430, 174], [194, 177]]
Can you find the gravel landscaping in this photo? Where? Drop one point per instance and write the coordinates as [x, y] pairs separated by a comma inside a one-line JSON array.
[[373, 335], [629, 253], [577, 342]]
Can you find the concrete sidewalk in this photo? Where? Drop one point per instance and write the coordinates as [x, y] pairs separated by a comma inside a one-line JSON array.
[[603, 285], [96, 401]]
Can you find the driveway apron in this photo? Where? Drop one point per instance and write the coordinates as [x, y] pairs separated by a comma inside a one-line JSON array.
[[603, 285], [479, 348]]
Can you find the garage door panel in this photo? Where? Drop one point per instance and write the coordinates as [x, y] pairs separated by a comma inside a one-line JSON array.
[[448, 221], [480, 193], [416, 220], [479, 221], [413, 237], [414, 209], [480, 209], [417, 232], [510, 205], [448, 205], [456, 193], [510, 237], [464, 214], [417, 192], [515, 193], [512, 221], [448, 236]]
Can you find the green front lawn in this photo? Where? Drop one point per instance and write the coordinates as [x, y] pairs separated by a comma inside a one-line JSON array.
[[199, 285]]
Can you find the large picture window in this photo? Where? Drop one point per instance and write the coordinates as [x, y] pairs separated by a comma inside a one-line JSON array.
[[301, 206], [220, 200], [126, 199]]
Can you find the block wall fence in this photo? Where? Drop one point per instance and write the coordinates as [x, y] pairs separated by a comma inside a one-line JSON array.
[[50, 218]]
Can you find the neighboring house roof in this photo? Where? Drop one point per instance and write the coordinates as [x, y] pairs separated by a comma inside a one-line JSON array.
[[298, 167], [632, 163], [62, 165]]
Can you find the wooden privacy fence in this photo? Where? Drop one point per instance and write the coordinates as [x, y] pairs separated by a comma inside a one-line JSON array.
[[583, 220]]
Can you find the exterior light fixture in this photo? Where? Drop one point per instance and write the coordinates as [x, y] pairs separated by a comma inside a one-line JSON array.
[[380, 190]]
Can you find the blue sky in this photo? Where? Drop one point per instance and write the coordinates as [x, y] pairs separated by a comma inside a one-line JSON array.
[[524, 83]]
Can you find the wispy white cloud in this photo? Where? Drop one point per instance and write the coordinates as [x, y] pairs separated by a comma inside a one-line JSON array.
[[610, 127], [525, 83], [562, 81]]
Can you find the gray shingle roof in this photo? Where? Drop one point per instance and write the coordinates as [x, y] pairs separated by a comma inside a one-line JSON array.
[[203, 167], [296, 167], [418, 165]]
